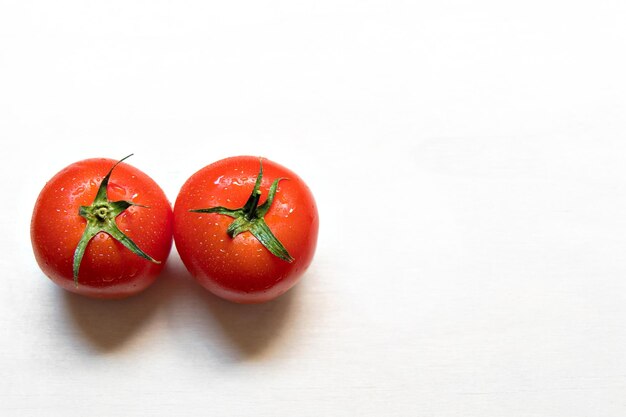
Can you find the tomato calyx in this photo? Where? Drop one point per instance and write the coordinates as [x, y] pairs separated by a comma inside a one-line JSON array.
[[250, 218], [100, 216]]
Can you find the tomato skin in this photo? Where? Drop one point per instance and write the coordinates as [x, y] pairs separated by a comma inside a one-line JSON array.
[[241, 269], [108, 269]]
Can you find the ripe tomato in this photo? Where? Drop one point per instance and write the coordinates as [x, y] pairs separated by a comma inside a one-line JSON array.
[[102, 235], [219, 227]]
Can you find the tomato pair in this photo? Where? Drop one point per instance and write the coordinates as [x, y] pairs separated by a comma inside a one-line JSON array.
[[245, 228]]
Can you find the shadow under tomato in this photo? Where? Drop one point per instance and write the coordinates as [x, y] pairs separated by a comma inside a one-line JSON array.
[[108, 324], [253, 329]]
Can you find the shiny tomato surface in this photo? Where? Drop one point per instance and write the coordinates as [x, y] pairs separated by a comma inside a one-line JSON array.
[[241, 269], [108, 269]]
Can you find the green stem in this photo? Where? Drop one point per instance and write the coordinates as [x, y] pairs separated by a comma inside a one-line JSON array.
[[251, 206]]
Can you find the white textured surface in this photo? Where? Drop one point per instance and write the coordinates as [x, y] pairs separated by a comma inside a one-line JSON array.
[[469, 162]]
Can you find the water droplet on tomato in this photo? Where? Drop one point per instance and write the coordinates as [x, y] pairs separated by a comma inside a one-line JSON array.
[[117, 188], [79, 190]]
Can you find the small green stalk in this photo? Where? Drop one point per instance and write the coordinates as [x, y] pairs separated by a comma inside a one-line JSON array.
[[250, 218], [100, 216]]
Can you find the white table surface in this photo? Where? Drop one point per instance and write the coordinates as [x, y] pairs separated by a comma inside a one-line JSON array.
[[468, 160]]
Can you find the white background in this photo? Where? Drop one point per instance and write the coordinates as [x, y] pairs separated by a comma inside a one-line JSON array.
[[469, 163]]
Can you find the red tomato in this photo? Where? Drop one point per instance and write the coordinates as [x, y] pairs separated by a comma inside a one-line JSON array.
[[219, 225], [126, 234]]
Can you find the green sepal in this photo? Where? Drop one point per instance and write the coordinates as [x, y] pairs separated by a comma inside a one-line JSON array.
[[239, 225], [253, 201], [101, 196], [89, 234], [100, 216], [262, 210], [118, 235], [261, 231], [250, 218], [219, 210]]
